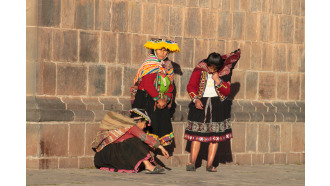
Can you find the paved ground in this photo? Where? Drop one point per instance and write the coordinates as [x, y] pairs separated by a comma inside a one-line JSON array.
[[226, 175]]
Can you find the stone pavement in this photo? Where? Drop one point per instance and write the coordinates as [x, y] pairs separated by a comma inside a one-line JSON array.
[[226, 175]]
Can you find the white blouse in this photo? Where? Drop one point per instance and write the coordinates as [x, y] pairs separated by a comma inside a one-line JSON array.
[[209, 89]]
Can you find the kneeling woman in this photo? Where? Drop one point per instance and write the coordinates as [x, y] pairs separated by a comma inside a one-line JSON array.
[[121, 145]]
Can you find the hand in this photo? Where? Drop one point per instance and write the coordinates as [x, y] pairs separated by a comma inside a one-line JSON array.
[[198, 104], [164, 151], [216, 78], [161, 103]]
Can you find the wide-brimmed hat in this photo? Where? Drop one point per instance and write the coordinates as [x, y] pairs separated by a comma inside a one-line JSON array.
[[156, 44]]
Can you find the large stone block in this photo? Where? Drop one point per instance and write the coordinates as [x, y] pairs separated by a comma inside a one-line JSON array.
[[86, 162], [286, 137], [216, 4], [46, 78], [257, 159], [187, 53], [292, 56], [180, 160], [48, 163], [264, 28], [294, 86], [267, 57], [91, 130], [119, 16], [148, 18], [193, 25], [280, 106], [31, 44], [128, 79], [68, 163], [243, 159], [302, 86], [74, 103], [209, 19], [68, 14], [89, 47], [124, 48], [225, 22], [239, 27], [126, 102], [254, 5], [267, 6], [245, 60], [76, 139], [238, 142], [205, 3], [176, 21], [102, 15], [302, 7], [274, 28], [177, 57], [286, 29], [280, 62], [84, 14], [263, 138], [251, 85], [299, 30], [32, 164], [298, 137], [256, 116], [113, 82], [296, 7], [282, 86], [193, 3], [251, 136], [267, 85], [238, 77], [111, 104], [53, 140], [31, 13], [162, 20], [301, 58], [49, 13], [139, 53], [274, 138], [269, 158], [71, 79], [65, 45], [134, 17], [252, 20], [92, 103], [293, 158], [293, 107], [108, 47], [83, 115], [96, 80], [44, 44], [287, 7], [32, 140], [269, 116], [280, 158], [184, 82], [178, 130], [277, 7], [259, 106], [201, 48], [256, 63]]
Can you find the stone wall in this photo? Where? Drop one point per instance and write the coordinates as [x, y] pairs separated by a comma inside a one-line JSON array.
[[82, 56]]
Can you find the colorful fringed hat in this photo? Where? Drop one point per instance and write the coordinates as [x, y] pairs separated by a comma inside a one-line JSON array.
[[156, 44], [141, 114]]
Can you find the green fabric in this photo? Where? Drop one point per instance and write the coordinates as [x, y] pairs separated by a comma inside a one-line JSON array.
[[162, 88]]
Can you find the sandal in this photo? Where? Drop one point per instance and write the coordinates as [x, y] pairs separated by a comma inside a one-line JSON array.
[[156, 170], [210, 169], [190, 167]]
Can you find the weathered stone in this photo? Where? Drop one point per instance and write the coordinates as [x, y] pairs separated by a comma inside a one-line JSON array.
[[65, 45], [280, 158], [76, 140], [301, 105], [46, 78], [134, 17], [302, 158], [270, 107], [31, 13], [193, 25], [245, 60], [32, 140], [241, 116], [243, 159], [256, 56], [237, 92], [91, 130], [267, 85], [296, 7], [92, 103], [96, 80], [148, 18], [274, 138], [183, 105], [293, 107], [269, 116], [99, 114], [209, 18], [84, 14], [286, 29], [302, 7], [287, 7], [279, 117], [274, 27], [294, 86], [113, 82], [286, 137], [301, 58], [73, 103], [177, 59], [269, 158], [124, 48], [180, 116], [225, 21], [280, 106], [32, 164], [83, 115], [108, 47], [252, 136], [68, 13], [86, 162], [251, 23], [264, 27], [292, 58], [282, 86], [302, 86], [49, 13], [44, 44], [68, 163], [166, 162], [298, 137], [199, 53], [216, 4], [139, 53], [259, 106], [205, 3], [257, 159], [184, 82], [119, 16], [126, 102], [247, 106], [187, 55], [263, 138], [238, 142], [226, 5], [293, 158], [38, 115], [277, 7], [236, 107], [267, 6], [31, 43], [178, 129], [176, 21], [128, 79], [89, 47], [256, 116], [165, 2], [53, 140], [111, 104], [162, 19], [193, 3], [299, 30], [49, 103], [280, 62], [251, 85], [71, 79], [102, 15], [254, 5], [300, 117], [267, 57], [239, 27], [48, 163]]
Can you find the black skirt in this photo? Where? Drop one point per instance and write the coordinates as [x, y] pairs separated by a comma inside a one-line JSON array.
[[212, 126], [161, 125], [124, 156]]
